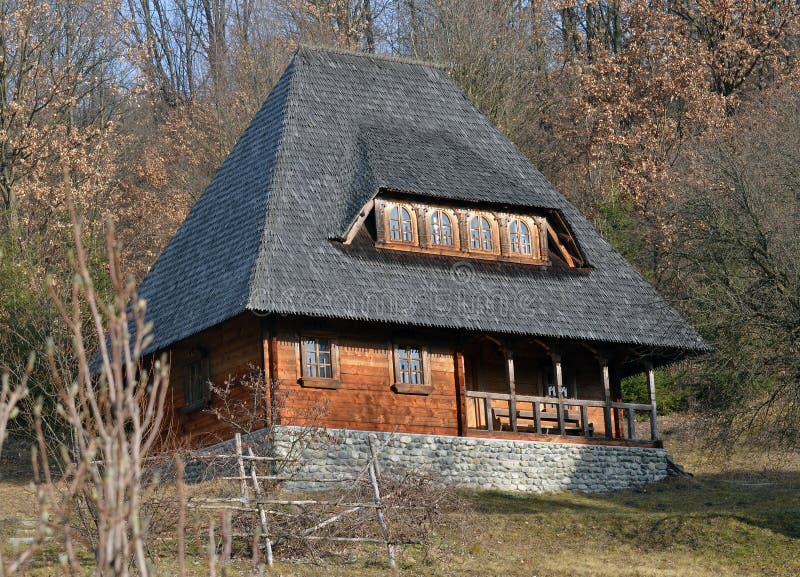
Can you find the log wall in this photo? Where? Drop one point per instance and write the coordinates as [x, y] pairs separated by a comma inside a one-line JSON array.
[[247, 347], [365, 398], [234, 349]]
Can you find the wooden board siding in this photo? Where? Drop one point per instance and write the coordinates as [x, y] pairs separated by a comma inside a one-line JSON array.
[[234, 348], [363, 396], [365, 399]]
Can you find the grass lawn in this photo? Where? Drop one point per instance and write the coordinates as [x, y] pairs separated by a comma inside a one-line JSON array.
[[739, 515]]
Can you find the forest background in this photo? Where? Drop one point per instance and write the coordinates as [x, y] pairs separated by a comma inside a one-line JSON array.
[[673, 124]]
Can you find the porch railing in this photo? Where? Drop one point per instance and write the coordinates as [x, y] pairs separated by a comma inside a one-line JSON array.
[[560, 416]]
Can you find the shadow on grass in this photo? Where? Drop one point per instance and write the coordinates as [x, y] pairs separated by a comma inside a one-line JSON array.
[[675, 510]]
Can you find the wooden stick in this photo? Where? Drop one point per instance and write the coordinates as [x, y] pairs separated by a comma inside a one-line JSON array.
[[227, 539], [290, 478], [242, 483], [245, 457], [181, 519], [331, 520], [297, 502], [261, 512], [373, 479], [212, 550], [347, 539]]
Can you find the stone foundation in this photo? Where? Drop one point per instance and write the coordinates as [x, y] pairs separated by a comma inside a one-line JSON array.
[[465, 461]]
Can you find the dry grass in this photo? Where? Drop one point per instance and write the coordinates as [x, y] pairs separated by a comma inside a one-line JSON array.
[[739, 516]]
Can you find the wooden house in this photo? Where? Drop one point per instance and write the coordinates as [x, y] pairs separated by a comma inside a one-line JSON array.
[[376, 247]]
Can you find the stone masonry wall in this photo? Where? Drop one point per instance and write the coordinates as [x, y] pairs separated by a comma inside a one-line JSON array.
[[462, 461]]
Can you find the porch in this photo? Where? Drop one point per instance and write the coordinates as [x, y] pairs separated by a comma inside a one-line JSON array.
[[535, 391]]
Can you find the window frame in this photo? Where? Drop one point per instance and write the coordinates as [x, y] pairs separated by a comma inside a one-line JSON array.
[[387, 218], [455, 229], [534, 238], [332, 382], [196, 392], [423, 388], [495, 240]]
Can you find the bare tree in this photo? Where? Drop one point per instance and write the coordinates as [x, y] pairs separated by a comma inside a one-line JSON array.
[[53, 58]]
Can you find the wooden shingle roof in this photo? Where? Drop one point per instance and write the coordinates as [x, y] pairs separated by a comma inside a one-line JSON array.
[[335, 130]]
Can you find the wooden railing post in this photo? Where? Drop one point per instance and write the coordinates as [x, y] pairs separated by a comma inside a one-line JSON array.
[[607, 398], [585, 421], [559, 393], [631, 424], [487, 409], [651, 386], [512, 401]]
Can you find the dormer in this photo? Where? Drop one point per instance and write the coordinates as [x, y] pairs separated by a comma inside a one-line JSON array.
[[524, 236]]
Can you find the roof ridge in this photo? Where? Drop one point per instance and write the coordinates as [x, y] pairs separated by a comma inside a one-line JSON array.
[[381, 56]]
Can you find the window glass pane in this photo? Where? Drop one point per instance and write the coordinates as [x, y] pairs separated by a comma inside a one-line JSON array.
[[408, 234], [394, 224], [474, 234], [409, 365], [317, 358], [486, 234], [436, 237], [447, 231], [520, 237]]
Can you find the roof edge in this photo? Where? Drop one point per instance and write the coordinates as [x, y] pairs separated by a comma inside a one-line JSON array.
[[262, 258]]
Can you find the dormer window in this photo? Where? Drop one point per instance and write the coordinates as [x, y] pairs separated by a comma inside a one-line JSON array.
[[480, 234], [401, 227], [441, 228], [520, 237], [417, 226]]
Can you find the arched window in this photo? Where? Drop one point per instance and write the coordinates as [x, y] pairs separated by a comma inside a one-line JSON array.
[[480, 234], [441, 228], [400, 226], [520, 237]]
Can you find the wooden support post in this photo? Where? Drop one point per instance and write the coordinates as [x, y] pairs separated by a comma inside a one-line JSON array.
[[512, 402], [374, 474], [631, 424], [266, 370], [487, 410], [461, 394], [651, 386], [272, 383], [537, 417], [607, 399], [559, 393]]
